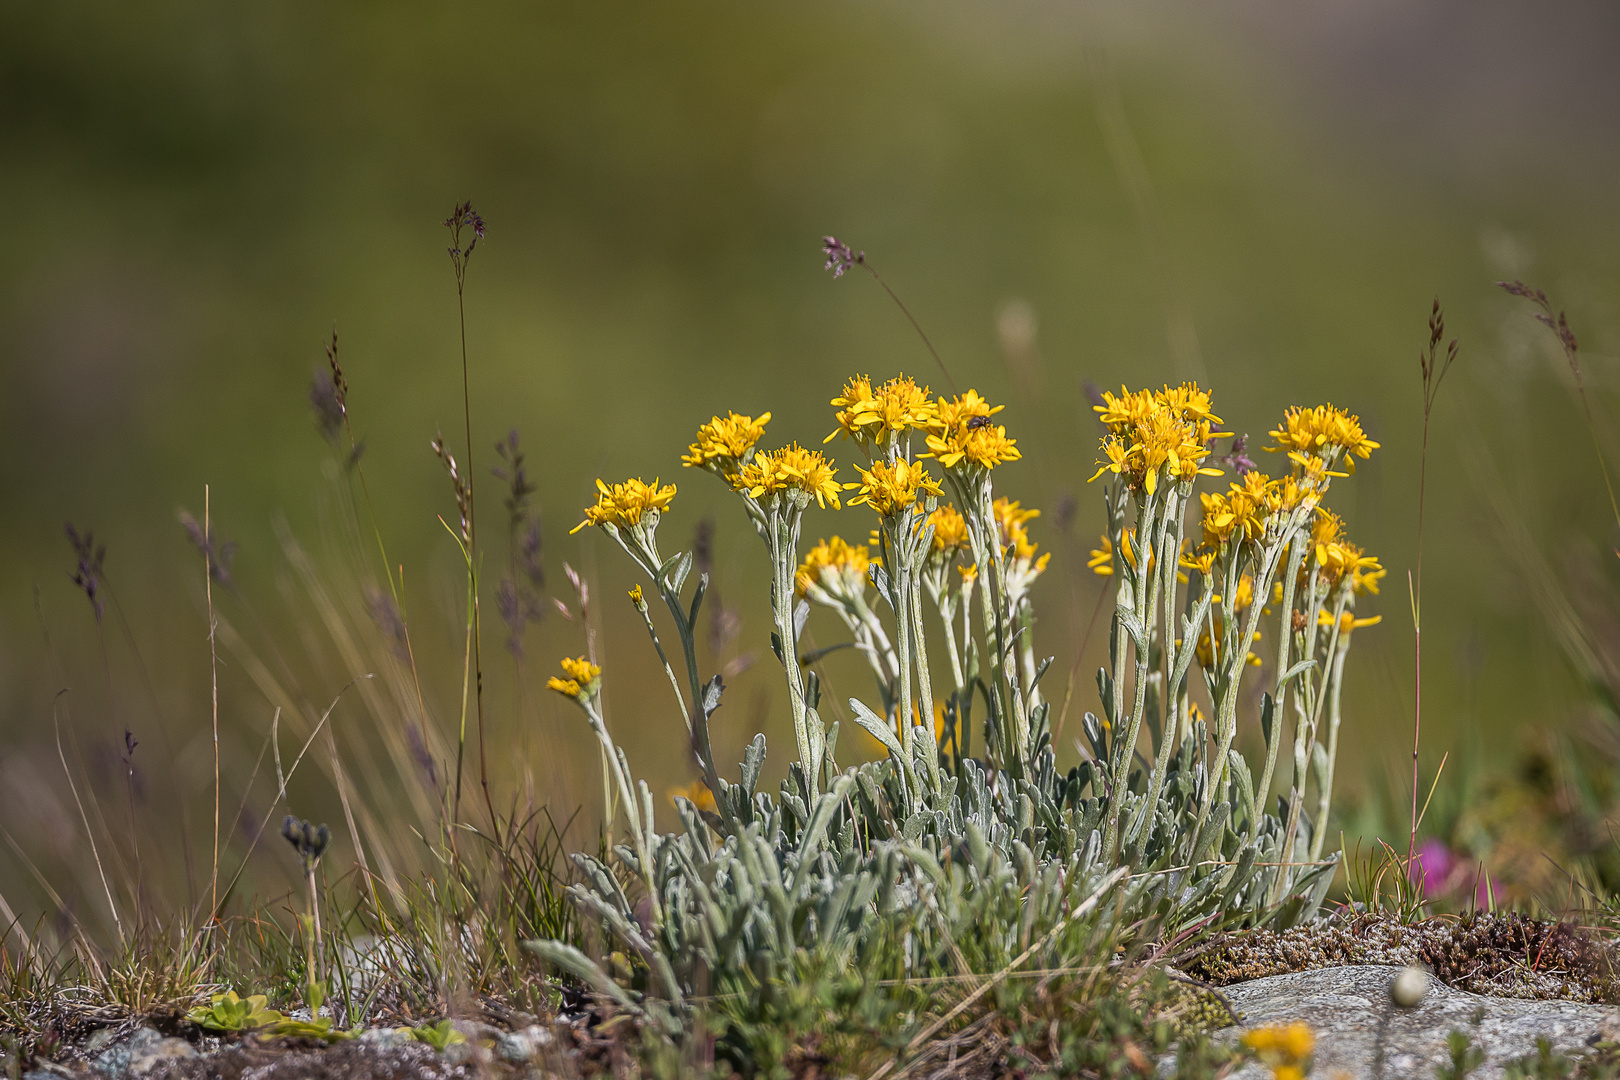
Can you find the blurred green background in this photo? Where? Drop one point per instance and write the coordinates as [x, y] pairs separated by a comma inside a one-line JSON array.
[[1263, 198]]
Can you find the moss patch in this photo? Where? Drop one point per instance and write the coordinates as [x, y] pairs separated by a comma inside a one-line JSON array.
[[1508, 955]]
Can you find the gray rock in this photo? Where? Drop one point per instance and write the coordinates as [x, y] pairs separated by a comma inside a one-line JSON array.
[[148, 1057], [114, 1062], [518, 1047], [1361, 1032]]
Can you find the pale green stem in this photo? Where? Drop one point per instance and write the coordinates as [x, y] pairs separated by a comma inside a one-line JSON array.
[[1326, 794], [1296, 546], [784, 558]]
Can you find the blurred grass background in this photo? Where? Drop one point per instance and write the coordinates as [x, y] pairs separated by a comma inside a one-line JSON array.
[[1261, 198]]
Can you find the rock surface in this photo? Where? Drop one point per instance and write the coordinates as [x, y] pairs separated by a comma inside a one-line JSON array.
[[1364, 1035]]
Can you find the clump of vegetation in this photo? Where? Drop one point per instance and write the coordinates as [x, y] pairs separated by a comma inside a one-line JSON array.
[[961, 899]]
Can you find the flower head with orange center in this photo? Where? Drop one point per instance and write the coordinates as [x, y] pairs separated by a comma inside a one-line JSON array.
[[789, 470], [1322, 430], [893, 489], [873, 414], [962, 435], [624, 505], [582, 677], [843, 563], [722, 443]]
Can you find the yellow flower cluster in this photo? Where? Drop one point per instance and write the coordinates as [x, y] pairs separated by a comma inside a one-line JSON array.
[[891, 489], [962, 431], [950, 530], [1011, 518], [721, 443], [791, 468], [1336, 557], [1284, 1050], [1150, 431], [581, 673], [1316, 430], [851, 560], [865, 413], [623, 505], [1241, 512]]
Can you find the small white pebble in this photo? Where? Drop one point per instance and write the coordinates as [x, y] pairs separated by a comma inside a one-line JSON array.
[[1408, 986]]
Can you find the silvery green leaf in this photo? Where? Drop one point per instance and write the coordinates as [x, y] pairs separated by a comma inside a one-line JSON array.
[[1296, 671], [711, 696], [801, 613], [876, 728], [697, 602], [1245, 785], [1036, 681], [753, 758], [674, 571], [812, 689]]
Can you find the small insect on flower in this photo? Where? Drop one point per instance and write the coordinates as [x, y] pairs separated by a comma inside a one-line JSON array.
[[962, 435], [583, 677]]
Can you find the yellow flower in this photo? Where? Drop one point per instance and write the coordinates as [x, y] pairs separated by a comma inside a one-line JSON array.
[[1347, 621], [1150, 432], [1337, 558], [1121, 414], [950, 530], [871, 414], [791, 468], [963, 431], [835, 554], [1202, 560], [969, 573], [1284, 1050], [1189, 403], [1314, 431], [624, 504], [581, 677], [892, 489], [721, 443], [1101, 562], [698, 794], [1011, 517]]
